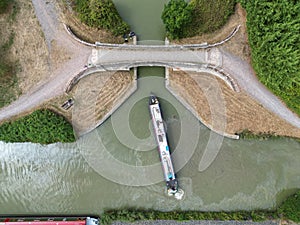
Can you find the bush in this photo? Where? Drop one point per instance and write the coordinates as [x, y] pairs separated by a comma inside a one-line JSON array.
[[290, 208], [197, 17], [209, 15], [42, 126], [176, 15], [101, 14], [273, 32]]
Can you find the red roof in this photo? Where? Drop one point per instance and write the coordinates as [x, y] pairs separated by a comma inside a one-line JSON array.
[[79, 222]]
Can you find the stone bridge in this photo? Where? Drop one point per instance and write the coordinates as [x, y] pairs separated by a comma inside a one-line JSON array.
[[197, 57], [204, 60]]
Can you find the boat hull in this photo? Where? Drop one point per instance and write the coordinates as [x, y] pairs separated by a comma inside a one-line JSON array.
[[162, 143]]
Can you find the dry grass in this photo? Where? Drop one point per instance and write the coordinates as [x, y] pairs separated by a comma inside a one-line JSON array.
[[242, 112], [104, 91], [29, 48], [238, 45]]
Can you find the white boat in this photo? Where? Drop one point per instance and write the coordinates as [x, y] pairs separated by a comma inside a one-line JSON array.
[[163, 148]]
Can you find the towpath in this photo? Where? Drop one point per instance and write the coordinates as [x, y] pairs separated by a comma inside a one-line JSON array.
[[59, 77]]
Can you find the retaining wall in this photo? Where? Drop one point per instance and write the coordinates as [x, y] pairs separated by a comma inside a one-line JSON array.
[[191, 109], [162, 47]]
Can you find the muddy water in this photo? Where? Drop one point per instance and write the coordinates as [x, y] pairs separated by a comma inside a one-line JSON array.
[[117, 166]]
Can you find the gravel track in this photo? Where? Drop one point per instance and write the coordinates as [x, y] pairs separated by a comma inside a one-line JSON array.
[[58, 77], [245, 76]]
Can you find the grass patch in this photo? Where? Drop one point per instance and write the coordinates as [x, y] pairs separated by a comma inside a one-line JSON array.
[[9, 89], [289, 209], [9, 7], [246, 134], [273, 32], [4, 5], [138, 215], [14, 12], [42, 126]]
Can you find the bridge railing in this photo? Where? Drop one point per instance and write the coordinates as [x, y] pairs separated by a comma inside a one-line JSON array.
[[160, 47]]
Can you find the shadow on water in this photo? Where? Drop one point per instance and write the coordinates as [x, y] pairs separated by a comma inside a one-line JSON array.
[[151, 72]]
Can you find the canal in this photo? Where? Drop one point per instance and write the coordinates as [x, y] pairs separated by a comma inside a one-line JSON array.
[[117, 165]]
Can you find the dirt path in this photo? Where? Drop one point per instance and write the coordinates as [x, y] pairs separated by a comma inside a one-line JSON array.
[[245, 76], [66, 58], [235, 57]]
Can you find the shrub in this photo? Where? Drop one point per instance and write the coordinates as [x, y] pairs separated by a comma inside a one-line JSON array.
[[273, 32], [42, 126], [176, 15], [196, 17], [290, 208], [101, 14]]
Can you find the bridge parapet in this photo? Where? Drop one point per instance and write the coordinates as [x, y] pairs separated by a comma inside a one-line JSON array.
[[162, 47]]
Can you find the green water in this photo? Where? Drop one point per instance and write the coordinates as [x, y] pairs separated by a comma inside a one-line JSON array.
[[117, 165], [144, 17]]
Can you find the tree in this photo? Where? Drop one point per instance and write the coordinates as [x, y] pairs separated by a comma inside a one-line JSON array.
[[176, 15]]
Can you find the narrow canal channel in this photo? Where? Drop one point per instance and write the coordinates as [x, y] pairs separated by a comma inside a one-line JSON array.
[[117, 165]]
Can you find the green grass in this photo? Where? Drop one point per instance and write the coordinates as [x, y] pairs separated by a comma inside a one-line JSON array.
[[289, 209], [42, 126], [246, 134], [9, 89], [273, 32], [136, 215]]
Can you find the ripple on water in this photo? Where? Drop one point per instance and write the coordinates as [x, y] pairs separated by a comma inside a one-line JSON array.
[[57, 178]]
